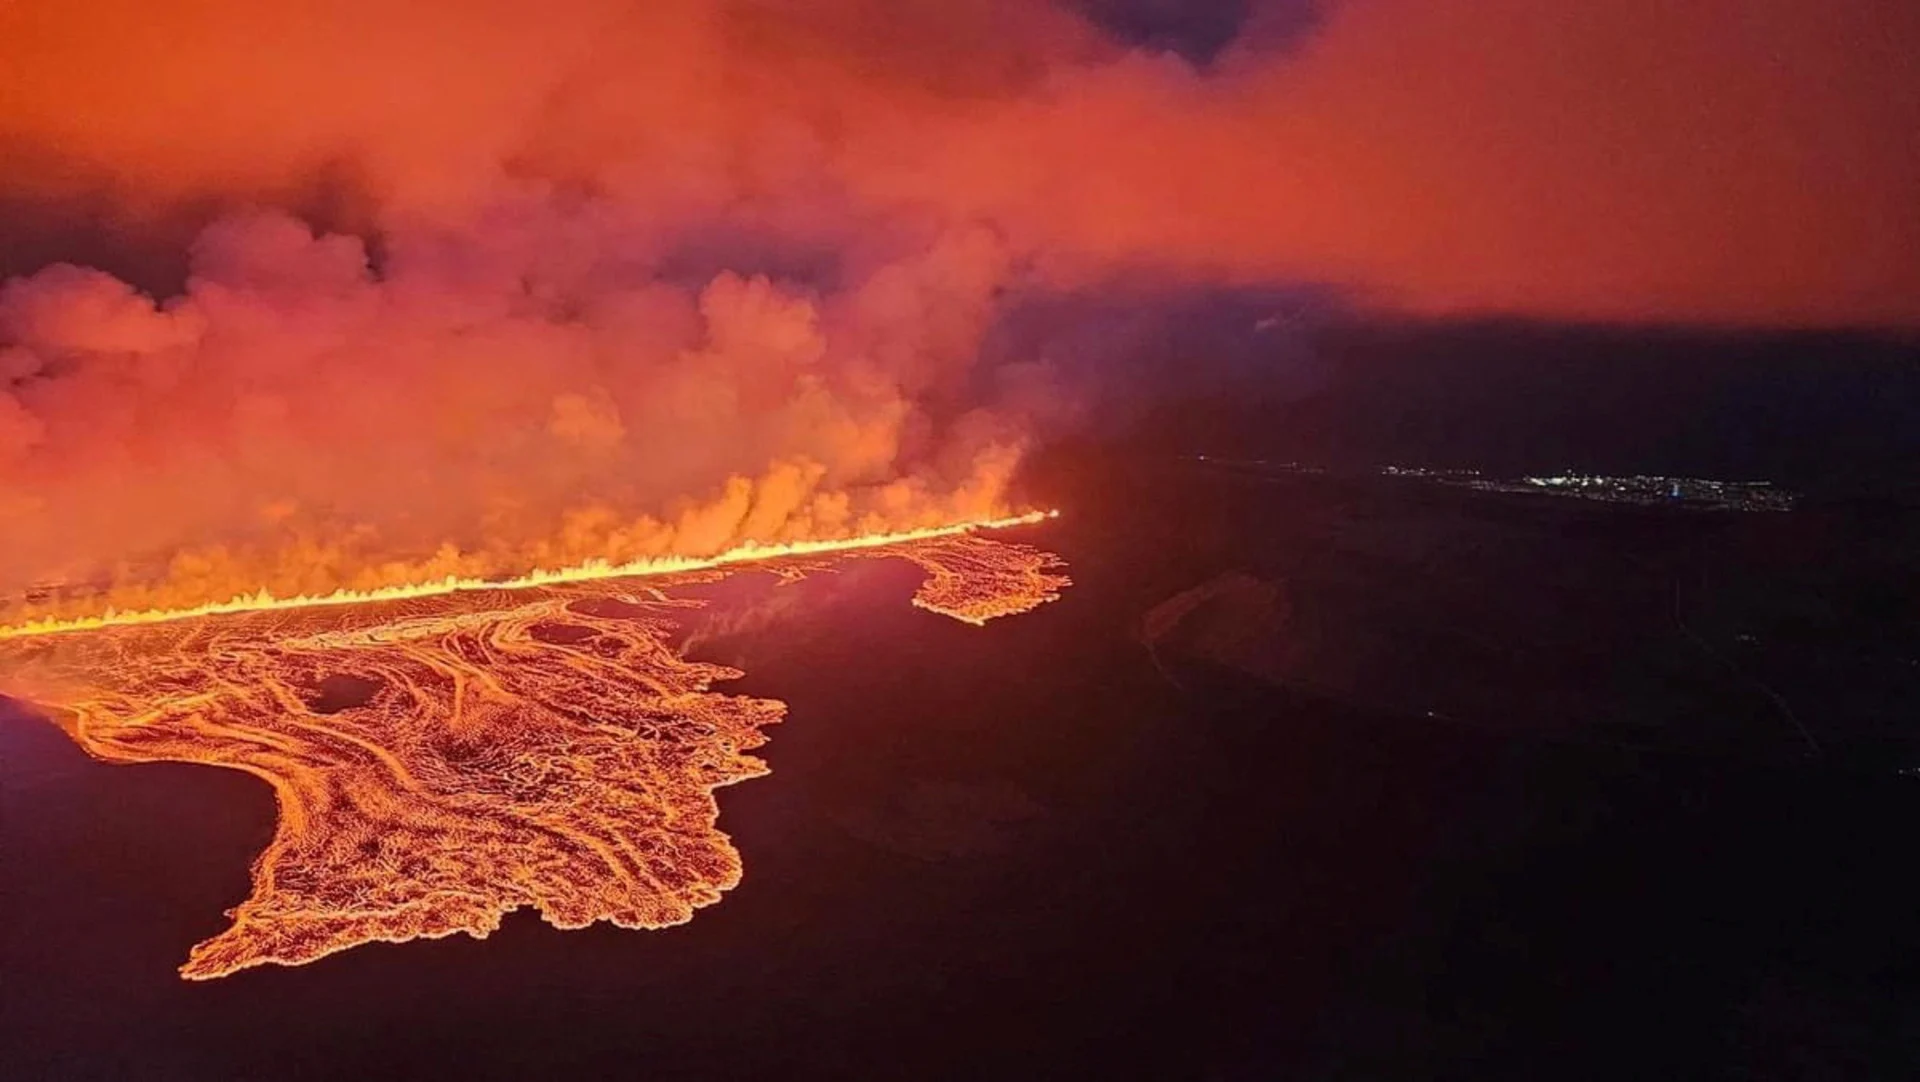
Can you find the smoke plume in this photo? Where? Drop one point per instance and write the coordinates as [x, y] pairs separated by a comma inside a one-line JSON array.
[[470, 286], [514, 393]]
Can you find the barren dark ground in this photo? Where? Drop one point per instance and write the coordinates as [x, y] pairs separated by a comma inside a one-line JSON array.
[[1453, 795]]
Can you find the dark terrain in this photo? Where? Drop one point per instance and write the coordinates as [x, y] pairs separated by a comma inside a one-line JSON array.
[[1433, 783], [1330, 776]]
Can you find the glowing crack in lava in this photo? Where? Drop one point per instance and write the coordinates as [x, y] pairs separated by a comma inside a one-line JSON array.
[[441, 760]]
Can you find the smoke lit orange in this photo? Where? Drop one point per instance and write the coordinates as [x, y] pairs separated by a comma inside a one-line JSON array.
[[445, 755]]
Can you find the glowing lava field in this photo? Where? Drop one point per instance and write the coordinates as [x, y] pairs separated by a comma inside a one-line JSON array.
[[445, 758]]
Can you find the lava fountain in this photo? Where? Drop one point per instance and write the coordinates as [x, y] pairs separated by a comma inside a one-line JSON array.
[[456, 751]]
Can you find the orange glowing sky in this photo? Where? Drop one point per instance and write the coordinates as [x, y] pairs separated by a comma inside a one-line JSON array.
[[1747, 161], [340, 295]]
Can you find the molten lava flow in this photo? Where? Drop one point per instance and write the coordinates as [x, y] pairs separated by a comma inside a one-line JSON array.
[[974, 580], [445, 758], [591, 571]]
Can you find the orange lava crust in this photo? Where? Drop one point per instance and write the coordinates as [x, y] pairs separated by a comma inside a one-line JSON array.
[[504, 749]]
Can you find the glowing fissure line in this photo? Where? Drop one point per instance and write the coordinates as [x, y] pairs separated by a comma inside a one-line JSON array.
[[591, 571]]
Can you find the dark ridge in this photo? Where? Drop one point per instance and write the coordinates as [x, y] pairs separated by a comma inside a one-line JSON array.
[[1820, 411]]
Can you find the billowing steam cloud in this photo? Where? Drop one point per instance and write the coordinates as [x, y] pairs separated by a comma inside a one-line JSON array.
[[471, 285], [524, 391]]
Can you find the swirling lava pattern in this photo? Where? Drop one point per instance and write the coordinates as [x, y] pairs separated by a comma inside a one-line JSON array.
[[441, 762]]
